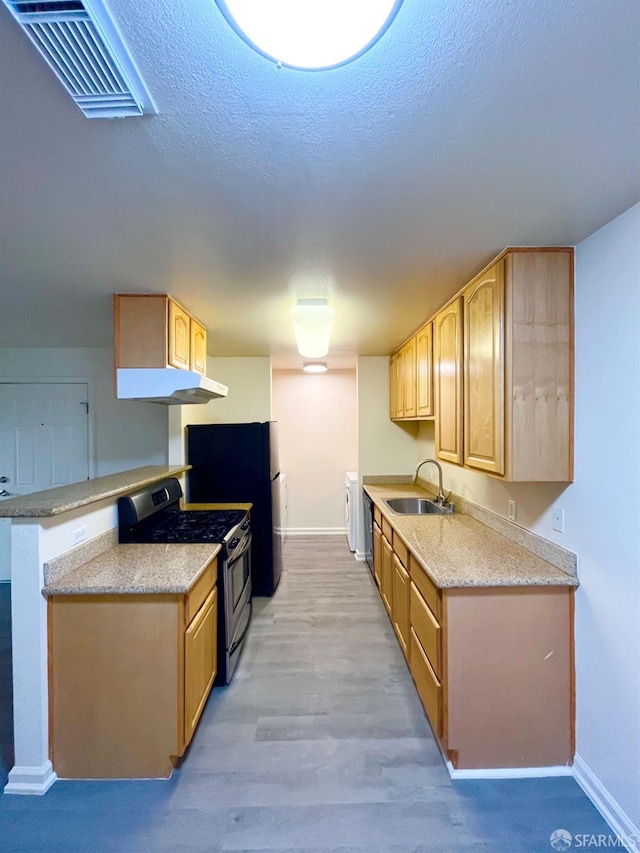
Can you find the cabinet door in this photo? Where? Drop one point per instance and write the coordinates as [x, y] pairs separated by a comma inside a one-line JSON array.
[[409, 379], [386, 581], [377, 554], [399, 385], [393, 386], [424, 371], [448, 382], [484, 371], [198, 347], [179, 336], [200, 657], [401, 604]]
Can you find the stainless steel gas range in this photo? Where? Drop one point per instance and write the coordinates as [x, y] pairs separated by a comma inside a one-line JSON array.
[[154, 515]]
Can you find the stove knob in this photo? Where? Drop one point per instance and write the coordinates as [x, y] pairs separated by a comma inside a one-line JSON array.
[[245, 524], [234, 542]]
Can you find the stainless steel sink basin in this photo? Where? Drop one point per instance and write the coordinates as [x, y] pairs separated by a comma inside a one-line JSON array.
[[415, 506]]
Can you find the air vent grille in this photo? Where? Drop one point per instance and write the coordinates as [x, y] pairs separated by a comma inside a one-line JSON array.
[[83, 46]]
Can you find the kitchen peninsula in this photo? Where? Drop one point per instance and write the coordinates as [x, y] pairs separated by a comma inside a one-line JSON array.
[[44, 528]]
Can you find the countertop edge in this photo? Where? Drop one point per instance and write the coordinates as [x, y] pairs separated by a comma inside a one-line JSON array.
[[23, 507], [562, 579], [59, 587]]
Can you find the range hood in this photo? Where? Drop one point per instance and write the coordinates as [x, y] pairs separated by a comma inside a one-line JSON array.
[[167, 385]]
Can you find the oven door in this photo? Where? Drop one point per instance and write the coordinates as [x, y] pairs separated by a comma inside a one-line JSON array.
[[237, 596]]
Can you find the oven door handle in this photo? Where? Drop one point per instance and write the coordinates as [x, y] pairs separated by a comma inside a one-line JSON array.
[[244, 633]]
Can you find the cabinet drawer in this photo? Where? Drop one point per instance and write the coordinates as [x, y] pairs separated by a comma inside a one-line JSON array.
[[200, 590], [426, 629], [428, 589], [401, 550], [428, 686], [387, 529]]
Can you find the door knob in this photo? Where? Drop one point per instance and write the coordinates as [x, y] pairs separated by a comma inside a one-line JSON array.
[[4, 479], [4, 493]]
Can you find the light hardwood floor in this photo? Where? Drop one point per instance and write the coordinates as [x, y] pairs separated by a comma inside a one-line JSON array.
[[319, 744]]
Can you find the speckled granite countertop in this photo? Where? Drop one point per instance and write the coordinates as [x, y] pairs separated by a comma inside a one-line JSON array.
[[137, 569], [458, 551], [64, 498]]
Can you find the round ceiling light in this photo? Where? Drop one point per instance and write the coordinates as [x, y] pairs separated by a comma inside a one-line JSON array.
[[311, 35], [315, 367]]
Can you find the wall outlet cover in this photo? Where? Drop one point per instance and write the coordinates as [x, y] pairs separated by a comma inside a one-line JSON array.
[[558, 519], [513, 510], [79, 534]]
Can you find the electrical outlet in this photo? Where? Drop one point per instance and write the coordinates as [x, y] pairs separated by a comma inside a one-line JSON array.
[[558, 519], [79, 534], [513, 510]]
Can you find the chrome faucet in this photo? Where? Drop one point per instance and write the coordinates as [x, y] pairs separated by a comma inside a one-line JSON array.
[[441, 498]]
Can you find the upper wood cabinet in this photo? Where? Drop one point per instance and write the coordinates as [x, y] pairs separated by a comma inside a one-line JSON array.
[[483, 312], [409, 379], [447, 366], [153, 330], [198, 349], [424, 371], [538, 365], [502, 395], [404, 381]]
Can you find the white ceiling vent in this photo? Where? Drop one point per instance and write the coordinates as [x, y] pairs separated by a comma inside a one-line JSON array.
[[84, 47]]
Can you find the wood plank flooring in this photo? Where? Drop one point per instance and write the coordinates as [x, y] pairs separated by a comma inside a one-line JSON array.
[[320, 744]]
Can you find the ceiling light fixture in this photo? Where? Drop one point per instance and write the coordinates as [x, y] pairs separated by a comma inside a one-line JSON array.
[[312, 319], [315, 367], [313, 35]]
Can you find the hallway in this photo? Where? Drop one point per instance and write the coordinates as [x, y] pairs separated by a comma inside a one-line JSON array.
[[320, 744]]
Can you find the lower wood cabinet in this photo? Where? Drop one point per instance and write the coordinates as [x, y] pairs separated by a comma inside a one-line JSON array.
[[377, 554], [129, 676], [400, 610], [493, 666], [386, 580]]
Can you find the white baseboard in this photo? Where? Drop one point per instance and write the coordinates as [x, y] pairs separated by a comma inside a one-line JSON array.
[[360, 555], [30, 780], [315, 531], [616, 817], [509, 772]]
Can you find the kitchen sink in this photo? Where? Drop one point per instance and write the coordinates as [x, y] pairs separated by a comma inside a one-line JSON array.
[[416, 506]]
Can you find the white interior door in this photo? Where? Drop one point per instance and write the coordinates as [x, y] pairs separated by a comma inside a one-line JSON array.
[[44, 436]]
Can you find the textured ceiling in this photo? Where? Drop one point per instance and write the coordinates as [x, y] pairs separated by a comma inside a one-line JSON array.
[[382, 185]]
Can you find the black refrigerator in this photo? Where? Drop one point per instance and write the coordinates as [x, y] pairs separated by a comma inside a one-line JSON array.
[[238, 463]]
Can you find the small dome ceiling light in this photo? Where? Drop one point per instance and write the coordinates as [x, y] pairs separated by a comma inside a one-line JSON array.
[[315, 367], [311, 35]]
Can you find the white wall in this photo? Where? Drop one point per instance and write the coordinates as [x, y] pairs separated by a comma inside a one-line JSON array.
[[318, 443], [123, 434], [126, 434], [249, 399], [383, 446], [603, 509]]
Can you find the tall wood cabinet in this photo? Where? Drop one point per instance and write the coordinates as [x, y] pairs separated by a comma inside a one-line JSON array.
[[153, 330]]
